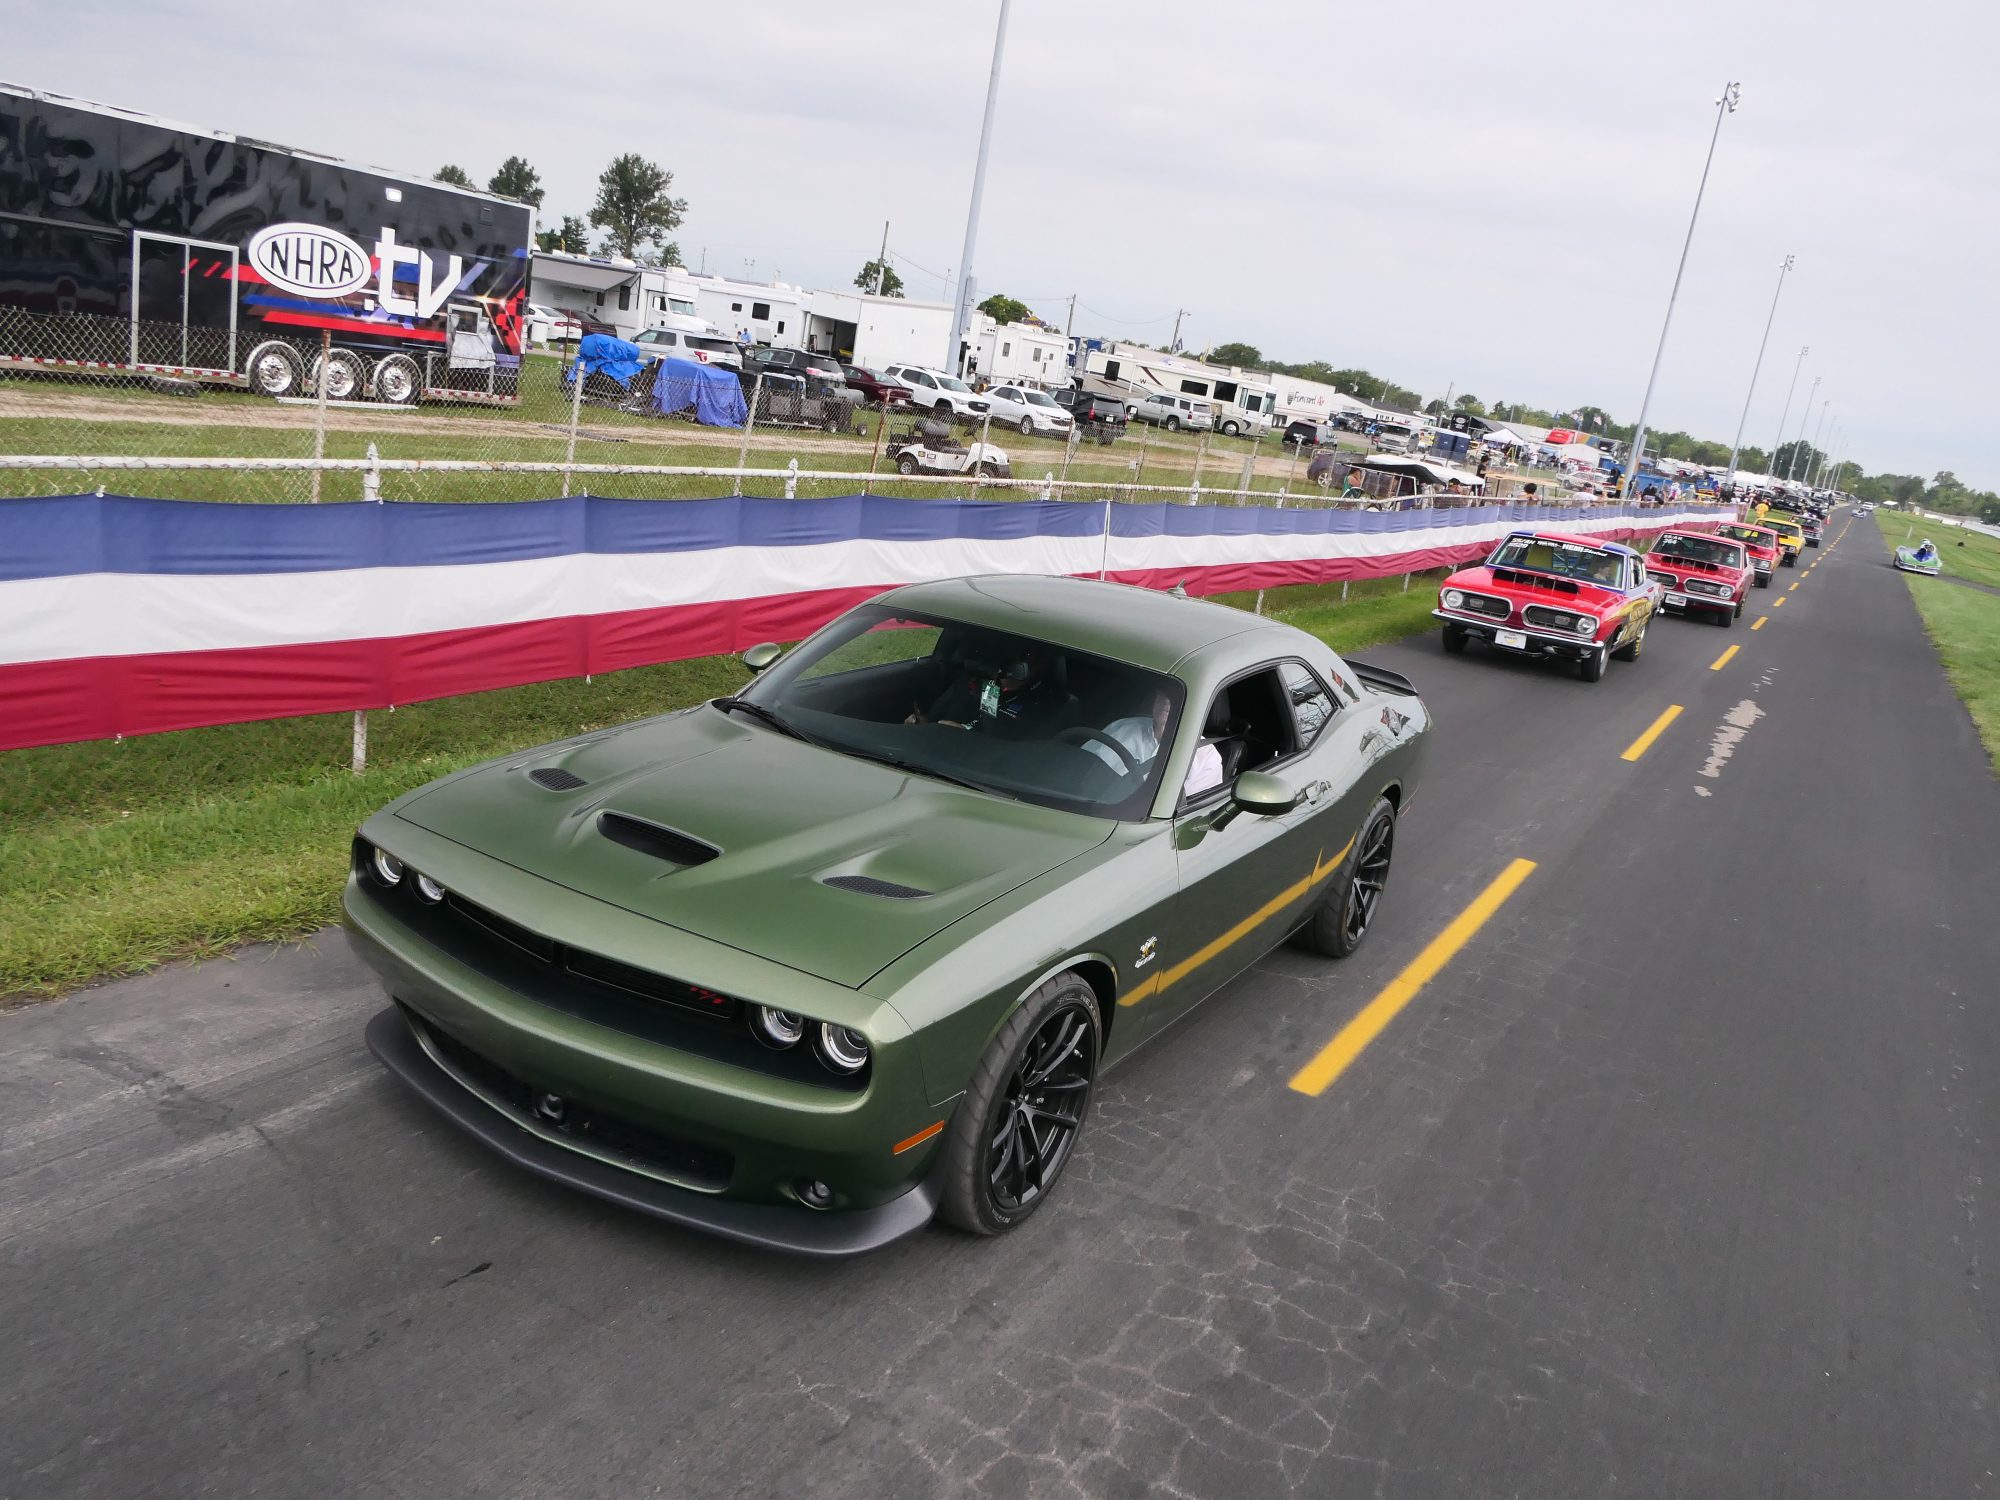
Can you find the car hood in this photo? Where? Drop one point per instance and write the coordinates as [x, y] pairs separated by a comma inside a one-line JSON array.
[[782, 819], [1579, 594]]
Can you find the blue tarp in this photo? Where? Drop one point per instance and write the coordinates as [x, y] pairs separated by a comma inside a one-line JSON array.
[[715, 393], [601, 354]]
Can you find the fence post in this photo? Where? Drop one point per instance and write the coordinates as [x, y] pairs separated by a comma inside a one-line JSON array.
[[1200, 453], [371, 477], [875, 453], [792, 480], [749, 426], [1048, 484], [575, 416], [979, 463], [1139, 469], [1070, 447], [319, 407], [360, 740], [1104, 556]]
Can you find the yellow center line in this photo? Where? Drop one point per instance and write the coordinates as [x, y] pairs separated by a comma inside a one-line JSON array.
[[1758, 623], [1723, 660], [1777, 604], [1353, 1038], [1793, 589], [1644, 743]]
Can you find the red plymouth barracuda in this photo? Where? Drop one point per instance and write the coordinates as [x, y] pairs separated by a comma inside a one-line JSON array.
[[1761, 542], [1543, 593], [1700, 572]]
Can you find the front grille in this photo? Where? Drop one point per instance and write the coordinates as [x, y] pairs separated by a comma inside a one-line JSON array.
[[1486, 604], [1550, 619], [1667, 578], [1709, 587], [648, 1150]]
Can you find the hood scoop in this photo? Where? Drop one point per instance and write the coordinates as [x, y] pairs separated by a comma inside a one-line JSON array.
[[1535, 581], [556, 779], [658, 840], [868, 885]]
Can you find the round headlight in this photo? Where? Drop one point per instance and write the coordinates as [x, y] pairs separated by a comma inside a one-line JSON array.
[[387, 868], [841, 1048], [1585, 625], [1453, 599], [776, 1028], [428, 889]]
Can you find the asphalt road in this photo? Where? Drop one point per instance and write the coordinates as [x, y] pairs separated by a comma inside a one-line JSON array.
[[1673, 1183]]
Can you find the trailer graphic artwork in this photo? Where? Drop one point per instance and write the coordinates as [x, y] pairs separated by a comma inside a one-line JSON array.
[[130, 243]]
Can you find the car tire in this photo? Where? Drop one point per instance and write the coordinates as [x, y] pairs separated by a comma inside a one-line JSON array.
[[1591, 668], [1631, 649], [1346, 913], [994, 1120], [1763, 580], [906, 465], [1455, 637], [1230, 429], [1026, 427], [1173, 424], [943, 409]]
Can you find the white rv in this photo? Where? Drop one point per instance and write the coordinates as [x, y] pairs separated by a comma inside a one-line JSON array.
[[859, 328], [1019, 351], [625, 296], [772, 313], [1309, 401], [1242, 398]]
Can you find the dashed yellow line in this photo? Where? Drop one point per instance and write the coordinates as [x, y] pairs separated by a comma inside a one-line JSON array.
[[1777, 604], [1794, 588], [1758, 623], [1658, 727], [1352, 1039], [1723, 660]]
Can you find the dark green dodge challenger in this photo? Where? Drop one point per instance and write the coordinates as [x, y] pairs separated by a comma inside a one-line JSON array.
[[807, 966]]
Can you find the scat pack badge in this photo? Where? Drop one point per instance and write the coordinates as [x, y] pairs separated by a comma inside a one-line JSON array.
[[1146, 950]]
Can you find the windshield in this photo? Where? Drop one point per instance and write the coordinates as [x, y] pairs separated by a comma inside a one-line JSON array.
[[1007, 713], [1540, 554], [1036, 398], [1700, 549], [1746, 534]]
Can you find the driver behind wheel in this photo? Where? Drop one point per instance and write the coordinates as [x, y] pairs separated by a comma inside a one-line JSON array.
[[1143, 734]]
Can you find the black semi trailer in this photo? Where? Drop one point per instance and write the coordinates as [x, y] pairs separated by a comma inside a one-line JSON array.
[[129, 244]]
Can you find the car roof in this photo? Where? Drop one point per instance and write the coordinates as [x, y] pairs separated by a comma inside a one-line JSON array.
[[1145, 627], [1574, 540]]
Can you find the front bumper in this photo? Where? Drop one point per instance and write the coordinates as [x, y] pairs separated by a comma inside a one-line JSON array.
[[802, 1231], [1535, 641], [1682, 601]]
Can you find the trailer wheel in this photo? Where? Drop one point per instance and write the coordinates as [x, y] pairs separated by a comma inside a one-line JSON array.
[[396, 380], [343, 375], [274, 370]]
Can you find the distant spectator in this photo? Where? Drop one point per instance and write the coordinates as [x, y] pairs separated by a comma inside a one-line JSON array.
[[1531, 494]]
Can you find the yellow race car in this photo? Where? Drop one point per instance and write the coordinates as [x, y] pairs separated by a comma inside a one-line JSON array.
[[1791, 536]]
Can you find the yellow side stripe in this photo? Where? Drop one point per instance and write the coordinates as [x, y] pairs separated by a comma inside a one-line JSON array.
[[1332, 1059]]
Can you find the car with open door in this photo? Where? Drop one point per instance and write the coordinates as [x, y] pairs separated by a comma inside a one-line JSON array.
[[807, 965]]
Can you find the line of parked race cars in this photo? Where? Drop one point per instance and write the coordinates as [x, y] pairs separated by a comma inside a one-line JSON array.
[[1578, 599]]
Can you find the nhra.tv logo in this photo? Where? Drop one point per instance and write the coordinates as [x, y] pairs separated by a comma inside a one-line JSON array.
[[309, 260]]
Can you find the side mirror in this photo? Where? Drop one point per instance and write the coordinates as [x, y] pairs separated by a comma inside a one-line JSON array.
[[1266, 796], [758, 657]]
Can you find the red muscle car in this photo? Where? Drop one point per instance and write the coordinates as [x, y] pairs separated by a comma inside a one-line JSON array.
[[1701, 573], [1543, 593], [1761, 542]]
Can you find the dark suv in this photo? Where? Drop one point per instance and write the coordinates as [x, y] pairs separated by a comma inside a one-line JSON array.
[[822, 372], [1100, 417]]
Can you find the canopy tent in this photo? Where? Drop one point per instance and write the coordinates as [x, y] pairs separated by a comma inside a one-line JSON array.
[[1502, 437]]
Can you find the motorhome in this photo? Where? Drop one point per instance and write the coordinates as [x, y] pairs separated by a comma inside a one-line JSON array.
[[1243, 398], [134, 244], [757, 312], [1297, 400], [618, 294], [1019, 351]]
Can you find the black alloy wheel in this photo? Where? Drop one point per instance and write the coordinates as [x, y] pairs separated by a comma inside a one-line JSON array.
[[1020, 1118], [1345, 913]]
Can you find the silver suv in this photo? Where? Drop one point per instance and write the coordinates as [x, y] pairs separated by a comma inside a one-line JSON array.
[[1175, 412]]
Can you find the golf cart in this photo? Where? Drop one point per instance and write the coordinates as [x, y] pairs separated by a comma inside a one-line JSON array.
[[929, 448]]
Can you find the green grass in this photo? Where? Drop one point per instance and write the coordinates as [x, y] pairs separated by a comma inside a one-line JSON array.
[[1965, 554], [116, 856], [1963, 624]]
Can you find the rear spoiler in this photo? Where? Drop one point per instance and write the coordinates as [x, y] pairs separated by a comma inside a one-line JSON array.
[[1382, 679]]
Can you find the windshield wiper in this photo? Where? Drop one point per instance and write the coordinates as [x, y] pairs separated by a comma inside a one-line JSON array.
[[776, 721], [882, 758]]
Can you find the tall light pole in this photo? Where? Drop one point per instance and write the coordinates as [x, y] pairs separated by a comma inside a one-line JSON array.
[[1804, 417], [958, 311], [1817, 430], [1790, 391], [1737, 447], [1726, 105]]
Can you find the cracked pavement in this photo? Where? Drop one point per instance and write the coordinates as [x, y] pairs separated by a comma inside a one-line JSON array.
[[1672, 1183]]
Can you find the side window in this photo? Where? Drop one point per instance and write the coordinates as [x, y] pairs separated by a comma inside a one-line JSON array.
[[760, 310], [1249, 724], [1312, 704]]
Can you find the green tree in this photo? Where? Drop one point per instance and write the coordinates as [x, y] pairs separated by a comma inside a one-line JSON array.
[[1795, 457], [892, 284], [634, 209], [1314, 369], [1471, 403], [1243, 356], [453, 175], [572, 237], [1002, 308], [517, 180]]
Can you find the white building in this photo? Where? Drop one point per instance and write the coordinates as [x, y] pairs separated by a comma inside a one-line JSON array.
[[1299, 400], [622, 293], [864, 329]]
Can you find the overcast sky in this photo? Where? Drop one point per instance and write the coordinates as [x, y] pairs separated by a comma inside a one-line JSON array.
[[1486, 197]]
